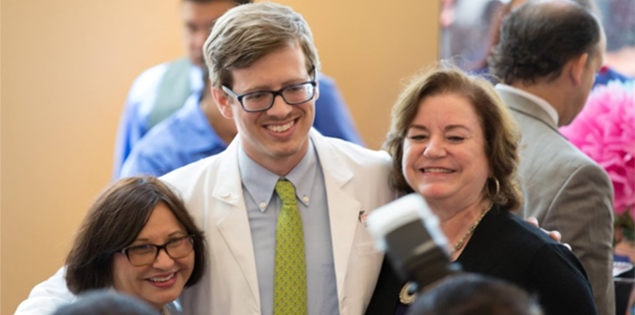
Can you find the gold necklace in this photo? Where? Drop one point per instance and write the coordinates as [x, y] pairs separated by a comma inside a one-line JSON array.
[[470, 230]]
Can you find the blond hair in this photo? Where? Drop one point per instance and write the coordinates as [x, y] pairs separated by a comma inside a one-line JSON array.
[[248, 32]]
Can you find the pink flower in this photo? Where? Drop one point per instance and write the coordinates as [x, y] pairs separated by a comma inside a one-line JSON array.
[[605, 131]]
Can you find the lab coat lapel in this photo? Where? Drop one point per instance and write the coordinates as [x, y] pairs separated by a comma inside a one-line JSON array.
[[342, 206], [232, 219]]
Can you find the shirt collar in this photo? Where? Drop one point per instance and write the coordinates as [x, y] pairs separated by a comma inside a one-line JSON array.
[[553, 114], [260, 183], [196, 79]]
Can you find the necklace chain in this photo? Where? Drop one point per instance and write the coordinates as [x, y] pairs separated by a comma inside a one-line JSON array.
[[471, 229]]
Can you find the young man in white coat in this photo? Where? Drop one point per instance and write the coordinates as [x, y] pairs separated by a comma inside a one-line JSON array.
[[262, 64]]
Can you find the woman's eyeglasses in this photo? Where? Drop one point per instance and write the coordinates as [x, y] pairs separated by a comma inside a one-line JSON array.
[[141, 255]]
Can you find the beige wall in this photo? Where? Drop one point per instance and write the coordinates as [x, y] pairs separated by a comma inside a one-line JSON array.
[[66, 68]]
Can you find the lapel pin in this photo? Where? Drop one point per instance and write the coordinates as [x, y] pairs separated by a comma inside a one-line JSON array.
[[362, 217]]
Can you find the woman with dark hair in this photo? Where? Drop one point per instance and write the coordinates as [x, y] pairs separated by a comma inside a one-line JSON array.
[[137, 239], [453, 141]]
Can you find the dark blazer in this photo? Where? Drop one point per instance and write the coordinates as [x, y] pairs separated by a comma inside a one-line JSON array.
[[386, 295], [508, 248]]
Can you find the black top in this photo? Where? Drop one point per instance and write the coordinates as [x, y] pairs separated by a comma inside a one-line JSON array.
[[509, 248]]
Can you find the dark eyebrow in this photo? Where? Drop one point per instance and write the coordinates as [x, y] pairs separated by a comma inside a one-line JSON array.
[[145, 240], [261, 88], [177, 233]]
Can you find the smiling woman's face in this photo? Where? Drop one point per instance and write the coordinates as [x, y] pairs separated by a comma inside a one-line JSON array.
[[444, 151], [163, 280]]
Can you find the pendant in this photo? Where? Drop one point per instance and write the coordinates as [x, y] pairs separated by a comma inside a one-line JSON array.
[[405, 297]]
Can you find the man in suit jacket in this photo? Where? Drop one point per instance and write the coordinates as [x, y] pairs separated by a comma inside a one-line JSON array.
[[547, 58], [261, 60]]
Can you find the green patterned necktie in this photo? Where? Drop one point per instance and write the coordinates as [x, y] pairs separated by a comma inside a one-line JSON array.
[[289, 286]]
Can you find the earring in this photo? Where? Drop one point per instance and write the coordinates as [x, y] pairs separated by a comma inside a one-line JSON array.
[[498, 187]]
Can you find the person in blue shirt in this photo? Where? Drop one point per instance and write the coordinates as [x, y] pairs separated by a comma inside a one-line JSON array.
[[185, 137], [163, 89]]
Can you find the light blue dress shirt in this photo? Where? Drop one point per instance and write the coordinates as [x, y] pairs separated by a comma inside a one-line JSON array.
[[134, 121], [183, 138], [263, 206]]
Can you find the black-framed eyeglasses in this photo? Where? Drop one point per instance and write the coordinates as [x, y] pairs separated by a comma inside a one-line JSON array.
[[141, 255], [258, 101]]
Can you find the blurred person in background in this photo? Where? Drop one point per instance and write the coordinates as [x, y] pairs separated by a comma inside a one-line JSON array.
[[547, 58], [618, 18]]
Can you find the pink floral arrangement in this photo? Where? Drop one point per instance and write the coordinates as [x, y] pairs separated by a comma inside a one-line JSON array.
[[605, 131]]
